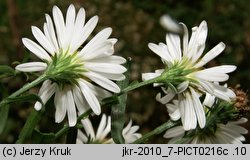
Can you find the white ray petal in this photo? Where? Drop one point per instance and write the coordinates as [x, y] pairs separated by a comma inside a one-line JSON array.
[[96, 52], [198, 108], [197, 41], [220, 69], [183, 86], [70, 24], [207, 86], [147, 76], [71, 109], [80, 18], [105, 67], [175, 115], [156, 49], [31, 67], [36, 49], [90, 97], [101, 127], [107, 129], [101, 37], [171, 107], [200, 41], [88, 127], [239, 129], [127, 128], [165, 99], [103, 82], [51, 33], [109, 59], [165, 51], [211, 55], [60, 104], [209, 100], [59, 25], [240, 121], [85, 32], [99, 92], [185, 39], [116, 77], [211, 76], [80, 100], [173, 43], [81, 138], [190, 119], [46, 91], [223, 92], [170, 24], [42, 39]]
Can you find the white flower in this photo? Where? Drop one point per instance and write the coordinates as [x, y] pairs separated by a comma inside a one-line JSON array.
[[186, 77], [215, 132], [104, 128], [74, 66], [230, 133]]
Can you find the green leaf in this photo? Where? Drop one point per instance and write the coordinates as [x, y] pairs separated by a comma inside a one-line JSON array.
[[118, 110], [29, 126], [24, 98], [133, 83], [6, 71], [4, 111], [42, 138]]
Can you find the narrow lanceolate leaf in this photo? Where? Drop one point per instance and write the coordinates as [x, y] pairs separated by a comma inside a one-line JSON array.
[[4, 110], [24, 98], [118, 110], [6, 71], [29, 126]]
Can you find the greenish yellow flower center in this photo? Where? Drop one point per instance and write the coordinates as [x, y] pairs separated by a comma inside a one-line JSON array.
[[65, 68], [178, 72]]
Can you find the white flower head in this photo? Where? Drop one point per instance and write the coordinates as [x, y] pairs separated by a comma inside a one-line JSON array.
[[230, 133], [215, 131], [79, 75], [186, 76], [103, 130]]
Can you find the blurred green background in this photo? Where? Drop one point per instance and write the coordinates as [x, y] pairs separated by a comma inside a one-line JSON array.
[[135, 23]]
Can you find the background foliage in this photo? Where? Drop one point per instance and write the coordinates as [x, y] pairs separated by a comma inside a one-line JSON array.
[[135, 23]]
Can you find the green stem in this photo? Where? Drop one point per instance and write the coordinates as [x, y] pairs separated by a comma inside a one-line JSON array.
[[167, 125], [138, 85], [26, 87]]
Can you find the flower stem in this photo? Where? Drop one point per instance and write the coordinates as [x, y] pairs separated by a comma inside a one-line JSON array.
[[137, 85], [167, 125], [26, 87]]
